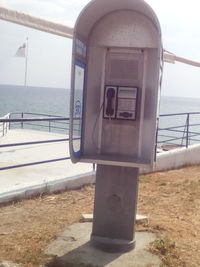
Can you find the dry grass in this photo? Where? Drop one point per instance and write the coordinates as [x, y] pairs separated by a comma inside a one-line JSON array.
[[28, 226], [170, 199], [172, 202]]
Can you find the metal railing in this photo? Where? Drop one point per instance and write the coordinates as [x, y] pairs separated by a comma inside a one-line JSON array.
[[178, 130], [50, 123], [56, 124]]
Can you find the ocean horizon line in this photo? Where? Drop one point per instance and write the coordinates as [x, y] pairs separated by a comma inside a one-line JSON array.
[[67, 89]]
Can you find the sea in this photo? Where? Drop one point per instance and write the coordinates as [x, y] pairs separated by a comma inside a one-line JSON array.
[[52, 101], [55, 101]]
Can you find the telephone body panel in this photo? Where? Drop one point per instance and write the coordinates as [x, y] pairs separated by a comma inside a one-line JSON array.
[[120, 102]]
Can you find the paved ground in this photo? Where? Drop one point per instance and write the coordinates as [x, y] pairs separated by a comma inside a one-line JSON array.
[[15, 180], [72, 248]]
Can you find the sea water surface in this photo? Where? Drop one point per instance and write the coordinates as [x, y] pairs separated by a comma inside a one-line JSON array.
[[55, 101]]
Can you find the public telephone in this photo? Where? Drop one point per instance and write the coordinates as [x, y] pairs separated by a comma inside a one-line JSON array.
[[116, 59], [120, 102], [115, 84]]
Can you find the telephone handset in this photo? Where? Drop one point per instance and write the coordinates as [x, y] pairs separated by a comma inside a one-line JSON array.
[[110, 101], [110, 95], [120, 102]]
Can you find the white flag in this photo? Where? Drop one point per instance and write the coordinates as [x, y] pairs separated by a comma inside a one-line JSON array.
[[21, 52]]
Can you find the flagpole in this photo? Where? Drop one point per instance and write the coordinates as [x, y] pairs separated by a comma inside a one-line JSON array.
[[26, 63]]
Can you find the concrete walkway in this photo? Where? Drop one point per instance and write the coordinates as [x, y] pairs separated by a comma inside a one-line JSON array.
[[49, 177]]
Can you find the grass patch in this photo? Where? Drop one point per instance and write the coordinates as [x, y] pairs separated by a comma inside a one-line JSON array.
[[166, 249]]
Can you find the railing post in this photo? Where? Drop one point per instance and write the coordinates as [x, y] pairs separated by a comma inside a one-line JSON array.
[[49, 126], [3, 127], [22, 124], [187, 129], [9, 116], [6, 127]]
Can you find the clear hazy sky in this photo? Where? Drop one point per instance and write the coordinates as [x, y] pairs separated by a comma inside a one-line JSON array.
[[49, 56]]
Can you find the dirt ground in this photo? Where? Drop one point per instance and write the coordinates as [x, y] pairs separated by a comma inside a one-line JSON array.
[[171, 200]]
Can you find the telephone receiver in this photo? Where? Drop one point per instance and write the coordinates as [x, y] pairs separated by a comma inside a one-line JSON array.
[[110, 101]]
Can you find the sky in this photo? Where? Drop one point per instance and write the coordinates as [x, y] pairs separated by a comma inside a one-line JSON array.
[[49, 56]]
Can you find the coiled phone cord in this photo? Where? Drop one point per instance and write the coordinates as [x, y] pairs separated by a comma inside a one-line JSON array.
[[94, 129]]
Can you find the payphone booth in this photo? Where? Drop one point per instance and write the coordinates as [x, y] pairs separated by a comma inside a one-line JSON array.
[[117, 57]]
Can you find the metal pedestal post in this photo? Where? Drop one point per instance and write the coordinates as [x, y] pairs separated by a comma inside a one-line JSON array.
[[115, 208]]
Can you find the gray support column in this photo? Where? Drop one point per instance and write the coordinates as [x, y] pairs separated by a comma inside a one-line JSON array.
[[115, 208]]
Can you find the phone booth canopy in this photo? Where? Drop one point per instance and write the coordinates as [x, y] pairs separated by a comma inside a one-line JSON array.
[[116, 62]]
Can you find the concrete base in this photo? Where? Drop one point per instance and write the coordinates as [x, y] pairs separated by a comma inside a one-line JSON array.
[[112, 245], [72, 248], [86, 217]]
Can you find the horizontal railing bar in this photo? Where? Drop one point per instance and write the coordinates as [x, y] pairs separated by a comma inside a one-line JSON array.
[[188, 132], [33, 163], [34, 143], [34, 119], [42, 114], [14, 113], [164, 135], [196, 133], [38, 142], [37, 119], [166, 141], [45, 126], [35, 114], [60, 122], [168, 135], [169, 128], [173, 139], [182, 113]]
